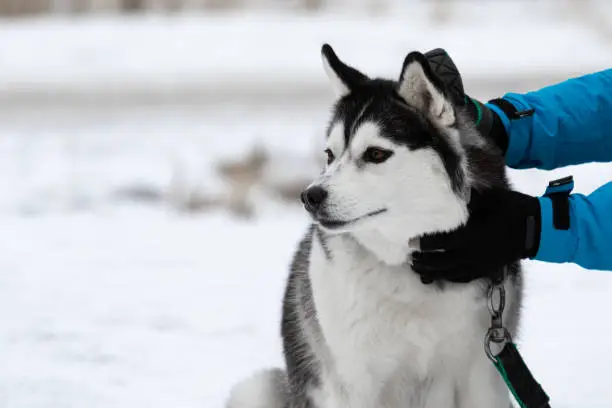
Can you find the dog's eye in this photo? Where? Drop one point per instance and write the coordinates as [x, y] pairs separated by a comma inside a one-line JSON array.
[[376, 155], [330, 156]]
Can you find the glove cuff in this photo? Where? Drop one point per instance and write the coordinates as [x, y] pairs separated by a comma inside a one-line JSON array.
[[488, 123], [533, 228]]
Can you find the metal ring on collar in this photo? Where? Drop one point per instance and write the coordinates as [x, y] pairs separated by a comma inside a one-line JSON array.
[[496, 310]]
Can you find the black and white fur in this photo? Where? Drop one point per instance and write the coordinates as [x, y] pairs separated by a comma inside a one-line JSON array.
[[359, 328]]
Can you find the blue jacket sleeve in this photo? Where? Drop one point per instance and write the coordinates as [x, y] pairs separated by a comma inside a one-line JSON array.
[[587, 242], [571, 124]]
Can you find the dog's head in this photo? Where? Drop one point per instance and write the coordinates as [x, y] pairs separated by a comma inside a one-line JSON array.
[[396, 162]]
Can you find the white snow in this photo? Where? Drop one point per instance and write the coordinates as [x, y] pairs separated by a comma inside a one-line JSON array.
[[110, 303]]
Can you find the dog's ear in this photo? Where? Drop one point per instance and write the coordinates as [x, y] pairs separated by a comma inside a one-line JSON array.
[[343, 78], [421, 88]]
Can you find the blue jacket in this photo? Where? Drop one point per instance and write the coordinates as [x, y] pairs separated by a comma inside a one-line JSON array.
[[571, 124]]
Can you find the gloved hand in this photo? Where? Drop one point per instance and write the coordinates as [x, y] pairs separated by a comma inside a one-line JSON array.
[[503, 227], [487, 122]]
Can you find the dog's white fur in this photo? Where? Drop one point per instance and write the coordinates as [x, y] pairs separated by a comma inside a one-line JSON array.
[[385, 331]]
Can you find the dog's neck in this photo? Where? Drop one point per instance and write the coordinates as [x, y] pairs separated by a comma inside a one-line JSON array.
[[389, 250]]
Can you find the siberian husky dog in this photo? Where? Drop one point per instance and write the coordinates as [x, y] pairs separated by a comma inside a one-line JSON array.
[[359, 328]]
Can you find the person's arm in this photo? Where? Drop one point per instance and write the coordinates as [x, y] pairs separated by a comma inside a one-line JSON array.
[[563, 124], [571, 123]]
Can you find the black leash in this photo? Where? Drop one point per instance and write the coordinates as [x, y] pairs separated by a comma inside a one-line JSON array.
[[511, 366]]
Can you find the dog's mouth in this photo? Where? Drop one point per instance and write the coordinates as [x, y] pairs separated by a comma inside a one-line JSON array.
[[337, 224]]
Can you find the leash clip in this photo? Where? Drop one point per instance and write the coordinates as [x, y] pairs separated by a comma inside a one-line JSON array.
[[496, 303]]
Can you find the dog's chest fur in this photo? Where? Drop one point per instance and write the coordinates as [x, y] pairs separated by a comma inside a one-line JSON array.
[[387, 339]]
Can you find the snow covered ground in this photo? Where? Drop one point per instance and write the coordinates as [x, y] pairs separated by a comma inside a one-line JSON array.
[[110, 303]]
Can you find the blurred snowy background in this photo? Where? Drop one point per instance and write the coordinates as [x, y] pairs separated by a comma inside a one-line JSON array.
[[150, 156]]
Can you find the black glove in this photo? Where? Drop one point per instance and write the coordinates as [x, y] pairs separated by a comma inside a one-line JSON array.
[[503, 227], [487, 122]]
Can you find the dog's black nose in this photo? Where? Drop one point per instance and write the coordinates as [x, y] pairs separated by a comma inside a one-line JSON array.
[[313, 197]]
